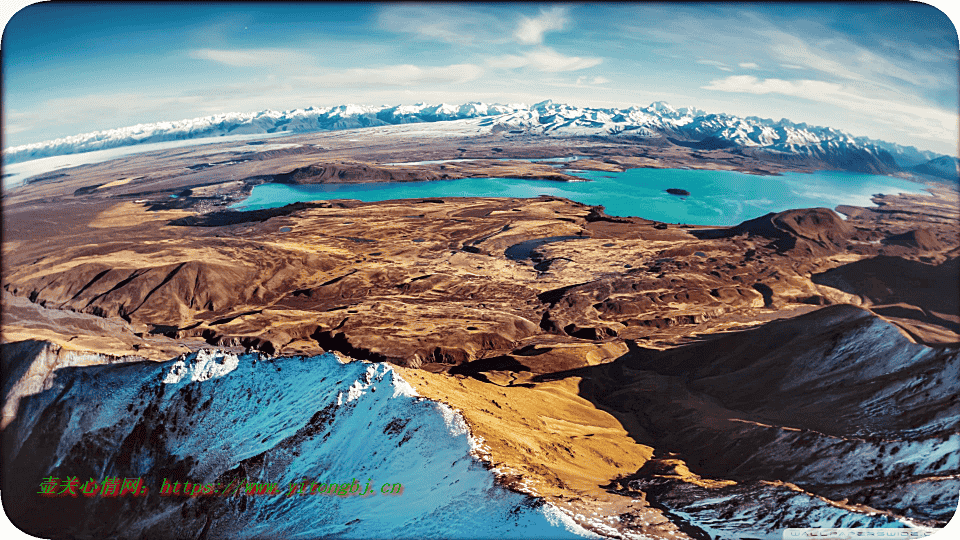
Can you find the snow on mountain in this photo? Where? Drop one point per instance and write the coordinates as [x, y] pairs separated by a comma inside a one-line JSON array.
[[658, 119], [221, 420], [905, 156], [944, 167]]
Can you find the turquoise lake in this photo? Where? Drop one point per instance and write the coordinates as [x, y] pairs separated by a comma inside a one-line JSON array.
[[716, 197]]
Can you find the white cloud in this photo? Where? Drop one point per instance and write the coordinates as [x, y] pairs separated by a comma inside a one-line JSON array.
[[301, 67], [716, 64], [883, 66], [10, 129], [582, 81], [906, 117], [251, 57], [80, 108], [531, 31], [398, 75], [442, 31], [911, 68], [748, 65], [752, 85], [542, 59], [448, 23], [409, 74], [16, 121]]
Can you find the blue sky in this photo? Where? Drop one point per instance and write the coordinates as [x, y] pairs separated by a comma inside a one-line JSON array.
[[887, 71]]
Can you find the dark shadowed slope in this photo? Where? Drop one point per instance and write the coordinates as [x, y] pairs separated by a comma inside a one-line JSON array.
[[836, 404]]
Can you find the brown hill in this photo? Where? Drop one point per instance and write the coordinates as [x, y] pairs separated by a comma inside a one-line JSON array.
[[923, 239], [815, 230]]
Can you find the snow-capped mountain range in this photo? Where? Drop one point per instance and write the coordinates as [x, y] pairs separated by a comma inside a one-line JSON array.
[[657, 120]]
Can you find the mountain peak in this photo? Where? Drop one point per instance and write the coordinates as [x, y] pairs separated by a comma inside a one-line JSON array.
[[662, 106], [543, 105]]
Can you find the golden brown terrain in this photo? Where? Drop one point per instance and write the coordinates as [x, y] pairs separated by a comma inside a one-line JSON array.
[[614, 366]]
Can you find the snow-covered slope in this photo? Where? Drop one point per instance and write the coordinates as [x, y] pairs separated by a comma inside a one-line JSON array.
[[905, 156], [944, 167], [831, 419], [219, 419], [777, 138]]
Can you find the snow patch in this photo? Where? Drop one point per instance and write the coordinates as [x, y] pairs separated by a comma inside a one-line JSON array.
[[202, 366], [355, 391], [559, 518], [455, 423], [400, 386]]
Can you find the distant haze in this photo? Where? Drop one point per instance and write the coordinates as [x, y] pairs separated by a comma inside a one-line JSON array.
[[886, 71]]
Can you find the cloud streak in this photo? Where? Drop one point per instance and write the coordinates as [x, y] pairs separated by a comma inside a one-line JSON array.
[[396, 75], [719, 65], [848, 61], [458, 25], [251, 57], [542, 59], [917, 120]]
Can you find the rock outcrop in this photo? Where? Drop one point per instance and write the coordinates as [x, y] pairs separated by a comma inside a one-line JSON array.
[[816, 231]]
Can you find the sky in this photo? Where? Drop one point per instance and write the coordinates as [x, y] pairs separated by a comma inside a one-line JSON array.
[[888, 71]]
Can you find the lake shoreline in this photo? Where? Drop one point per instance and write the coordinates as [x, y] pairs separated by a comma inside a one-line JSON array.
[[715, 198]]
